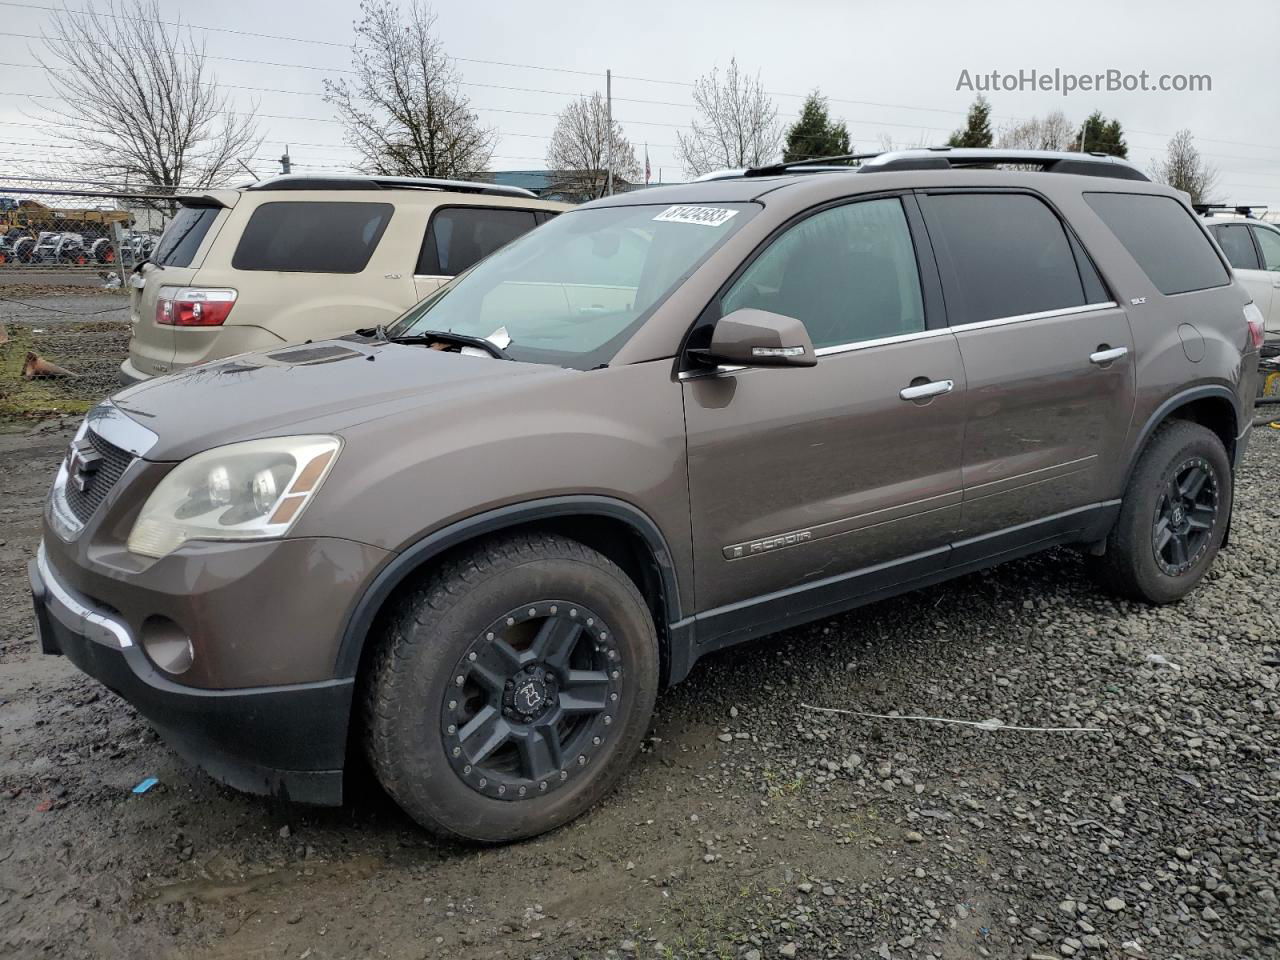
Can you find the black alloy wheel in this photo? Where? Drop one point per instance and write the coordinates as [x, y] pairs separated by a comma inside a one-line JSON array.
[[533, 699], [1185, 517]]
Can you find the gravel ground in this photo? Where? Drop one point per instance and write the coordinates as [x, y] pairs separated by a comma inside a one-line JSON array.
[[751, 827]]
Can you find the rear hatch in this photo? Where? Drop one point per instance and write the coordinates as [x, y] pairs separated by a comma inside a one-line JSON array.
[[177, 257]]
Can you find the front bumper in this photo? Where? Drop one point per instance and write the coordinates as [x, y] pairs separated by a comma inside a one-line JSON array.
[[281, 741]]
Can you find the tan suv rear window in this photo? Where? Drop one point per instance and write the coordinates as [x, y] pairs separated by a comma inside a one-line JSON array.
[[298, 236]]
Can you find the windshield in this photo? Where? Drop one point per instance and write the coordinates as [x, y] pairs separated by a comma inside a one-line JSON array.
[[572, 291]]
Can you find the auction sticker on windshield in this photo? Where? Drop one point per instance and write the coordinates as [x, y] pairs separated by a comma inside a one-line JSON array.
[[703, 216]]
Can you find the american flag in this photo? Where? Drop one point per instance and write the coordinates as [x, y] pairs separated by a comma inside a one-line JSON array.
[[646, 163]]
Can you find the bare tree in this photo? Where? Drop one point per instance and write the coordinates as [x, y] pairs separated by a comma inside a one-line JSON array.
[[1183, 168], [580, 149], [404, 110], [737, 124], [1053, 132], [139, 101]]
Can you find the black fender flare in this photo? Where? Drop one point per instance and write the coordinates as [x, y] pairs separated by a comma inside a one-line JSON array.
[[1162, 412], [360, 618]]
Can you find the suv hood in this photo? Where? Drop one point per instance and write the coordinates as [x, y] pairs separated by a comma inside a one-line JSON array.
[[320, 387]]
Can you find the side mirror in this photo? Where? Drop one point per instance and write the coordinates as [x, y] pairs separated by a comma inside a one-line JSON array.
[[758, 338]]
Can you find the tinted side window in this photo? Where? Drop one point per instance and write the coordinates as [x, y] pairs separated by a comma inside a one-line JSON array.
[[1269, 242], [1236, 244], [848, 273], [184, 235], [299, 236], [1007, 255], [1164, 238], [458, 237]]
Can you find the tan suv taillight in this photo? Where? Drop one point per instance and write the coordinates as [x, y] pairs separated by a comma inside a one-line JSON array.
[[194, 306]]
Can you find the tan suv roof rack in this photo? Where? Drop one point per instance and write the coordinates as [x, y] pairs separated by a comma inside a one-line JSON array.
[[356, 182]]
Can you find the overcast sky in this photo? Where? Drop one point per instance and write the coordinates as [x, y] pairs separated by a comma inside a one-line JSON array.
[[888, 68]]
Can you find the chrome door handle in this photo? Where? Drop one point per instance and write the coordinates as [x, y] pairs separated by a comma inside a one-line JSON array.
[[1103, 357], [924, 391]]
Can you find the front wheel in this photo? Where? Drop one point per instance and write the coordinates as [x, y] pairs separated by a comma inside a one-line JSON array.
[[1175, 514], [511, 689]]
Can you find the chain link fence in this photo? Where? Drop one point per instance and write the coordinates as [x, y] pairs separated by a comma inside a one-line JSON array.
[[77, 226], [66, 248]]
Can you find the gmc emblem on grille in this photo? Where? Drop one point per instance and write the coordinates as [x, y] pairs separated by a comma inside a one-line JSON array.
[[82, 462]]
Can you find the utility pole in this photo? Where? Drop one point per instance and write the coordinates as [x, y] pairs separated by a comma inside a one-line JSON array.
[[608, 101], [285, 165]]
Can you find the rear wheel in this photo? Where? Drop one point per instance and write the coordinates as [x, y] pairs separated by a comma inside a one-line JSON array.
[[511, 690], [1174, 517]]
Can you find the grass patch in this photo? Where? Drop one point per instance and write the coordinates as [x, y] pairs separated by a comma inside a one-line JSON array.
[[93, 350]]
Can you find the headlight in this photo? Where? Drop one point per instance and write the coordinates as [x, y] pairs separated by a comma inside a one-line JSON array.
[[243, 491]]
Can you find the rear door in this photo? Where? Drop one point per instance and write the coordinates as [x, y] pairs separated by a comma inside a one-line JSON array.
[[174, 263], [1047, 354], [800, 479], [1268, 240], [1237, 242], [459, 236]]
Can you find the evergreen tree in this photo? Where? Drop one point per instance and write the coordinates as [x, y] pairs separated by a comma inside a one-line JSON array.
[[977, 129], [814, 134], [1100, 135]]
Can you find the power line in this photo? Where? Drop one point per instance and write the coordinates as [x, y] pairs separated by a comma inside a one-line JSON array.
[[527, 66]]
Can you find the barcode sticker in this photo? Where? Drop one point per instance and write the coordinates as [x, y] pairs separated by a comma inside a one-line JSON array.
[[702, 216]]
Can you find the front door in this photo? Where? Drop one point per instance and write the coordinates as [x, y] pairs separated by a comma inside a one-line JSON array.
[[1048, 356], [803, 478]]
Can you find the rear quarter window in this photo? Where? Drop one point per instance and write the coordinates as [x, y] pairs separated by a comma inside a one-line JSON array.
[[182, 238], [459, 237], [1164, 238], [312, 237]]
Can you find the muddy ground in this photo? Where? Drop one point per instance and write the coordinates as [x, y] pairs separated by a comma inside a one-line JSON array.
[[751, 826]]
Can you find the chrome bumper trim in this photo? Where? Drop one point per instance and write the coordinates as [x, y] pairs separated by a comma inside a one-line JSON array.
[[76, 616]]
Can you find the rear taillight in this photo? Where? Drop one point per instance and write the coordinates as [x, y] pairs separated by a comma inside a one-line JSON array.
[[194, 306], [1257, 329]]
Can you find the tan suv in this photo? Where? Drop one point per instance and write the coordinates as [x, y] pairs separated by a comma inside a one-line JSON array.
[[479, 542], [302, 258]]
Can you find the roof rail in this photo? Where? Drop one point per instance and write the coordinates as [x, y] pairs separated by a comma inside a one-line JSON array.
[[953, 158], [1245, 210], [360, 182]]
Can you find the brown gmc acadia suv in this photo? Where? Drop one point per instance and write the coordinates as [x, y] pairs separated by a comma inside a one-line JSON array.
[[479, 541]]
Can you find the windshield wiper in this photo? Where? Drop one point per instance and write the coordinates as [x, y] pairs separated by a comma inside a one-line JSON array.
[[447, 336], [436, 336]]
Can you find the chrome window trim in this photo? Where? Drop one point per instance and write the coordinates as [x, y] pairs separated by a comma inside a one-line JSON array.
[[1042, 315], [879, 342], [78, 610], [920, 335]]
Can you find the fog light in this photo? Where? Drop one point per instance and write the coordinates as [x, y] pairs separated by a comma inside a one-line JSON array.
[[167, 645]]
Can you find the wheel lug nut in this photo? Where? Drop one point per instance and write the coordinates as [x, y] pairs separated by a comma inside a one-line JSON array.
[[457, 751], [581, 760]]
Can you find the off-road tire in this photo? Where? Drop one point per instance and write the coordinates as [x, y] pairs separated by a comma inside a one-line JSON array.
[[1130, 566], [410, 678]]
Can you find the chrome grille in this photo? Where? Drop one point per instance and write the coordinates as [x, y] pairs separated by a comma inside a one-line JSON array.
[[112, 465]]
